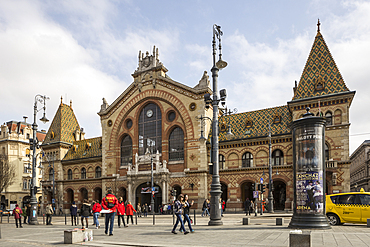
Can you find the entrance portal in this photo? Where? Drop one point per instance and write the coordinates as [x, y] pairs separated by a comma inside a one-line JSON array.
[[279, 195], [144, 193], [246, 191]]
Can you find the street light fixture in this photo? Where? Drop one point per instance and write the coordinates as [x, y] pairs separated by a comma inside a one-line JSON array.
[[33, 190], [215, 218]]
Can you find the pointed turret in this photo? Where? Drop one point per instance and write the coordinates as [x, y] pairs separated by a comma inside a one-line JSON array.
[[63, 126], [320, 75]]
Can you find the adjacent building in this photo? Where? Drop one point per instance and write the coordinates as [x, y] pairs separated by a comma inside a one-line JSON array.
[[15, 149], [360, 167], [159, 118]]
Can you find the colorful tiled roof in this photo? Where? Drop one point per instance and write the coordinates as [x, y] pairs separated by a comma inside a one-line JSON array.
[[63, 126], [320, 69], [255, 123], [83, 149]]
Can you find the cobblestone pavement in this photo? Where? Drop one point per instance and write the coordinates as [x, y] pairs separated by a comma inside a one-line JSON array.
[[262, 231]]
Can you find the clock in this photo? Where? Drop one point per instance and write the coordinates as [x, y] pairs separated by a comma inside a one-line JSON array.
[[149, 113]]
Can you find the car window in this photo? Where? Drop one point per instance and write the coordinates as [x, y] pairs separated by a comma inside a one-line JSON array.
[[346, 199], [334, 199], [365, 199]]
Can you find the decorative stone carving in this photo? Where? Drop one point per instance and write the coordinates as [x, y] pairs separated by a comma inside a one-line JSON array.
[[204, 82], [104, 106]]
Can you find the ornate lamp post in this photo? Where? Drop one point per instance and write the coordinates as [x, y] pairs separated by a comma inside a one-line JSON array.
[[215, 218], [33, 190], [151, 144], [270, 196]]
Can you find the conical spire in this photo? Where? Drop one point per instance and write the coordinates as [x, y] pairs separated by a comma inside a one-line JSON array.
[[320, 75], [63, 126]]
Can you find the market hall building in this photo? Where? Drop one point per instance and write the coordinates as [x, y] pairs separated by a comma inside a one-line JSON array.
[[158, 117]]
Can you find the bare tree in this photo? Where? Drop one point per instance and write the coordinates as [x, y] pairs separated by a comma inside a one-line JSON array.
[[7, 172]]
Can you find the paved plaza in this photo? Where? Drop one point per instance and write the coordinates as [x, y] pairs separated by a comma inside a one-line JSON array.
[[261, 232]]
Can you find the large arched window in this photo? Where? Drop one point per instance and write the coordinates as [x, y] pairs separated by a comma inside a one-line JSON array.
[[51, 172], [69, 174], [83, 173], [247, 160], [126, 151], [329, 118], [150, 129], [221, 161], [176, 144], [326, 152], [277, 157], [98, 172]]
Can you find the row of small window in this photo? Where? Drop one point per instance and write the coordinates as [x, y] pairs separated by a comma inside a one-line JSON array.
[[329, 117], [247, 159], [70, 173]]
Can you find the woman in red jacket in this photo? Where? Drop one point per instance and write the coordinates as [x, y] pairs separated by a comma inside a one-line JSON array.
[[121, 212], [96, 212], [129, 212]]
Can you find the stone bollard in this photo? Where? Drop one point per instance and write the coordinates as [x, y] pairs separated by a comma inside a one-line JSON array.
[[297, 238], [368, 222], [279, 221], [246, 221]]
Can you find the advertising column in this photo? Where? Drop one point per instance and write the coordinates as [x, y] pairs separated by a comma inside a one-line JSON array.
[[309, 173]]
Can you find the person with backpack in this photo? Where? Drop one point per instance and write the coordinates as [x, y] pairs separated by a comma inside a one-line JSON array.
[[96, 212], [178, 212], [110, 203], [17, 212], [85, 213], [205, 208], [49, 212], [73, 210], [121, 212], [129, 212]]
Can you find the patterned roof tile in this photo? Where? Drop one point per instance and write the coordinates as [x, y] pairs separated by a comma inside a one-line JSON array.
[[82, 149], [320, 75]]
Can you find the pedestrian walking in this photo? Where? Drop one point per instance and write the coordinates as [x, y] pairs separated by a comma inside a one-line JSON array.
[[73, 210], [17, 212], [121, 212], [146, 209], [85, 212], [60, 209], [28, 212], [25, 214], [129, 212], [178, 212], [110, 203], [49, 212], [138, 210], [96, 213], [187, 206], [205, 208], [247, 207]]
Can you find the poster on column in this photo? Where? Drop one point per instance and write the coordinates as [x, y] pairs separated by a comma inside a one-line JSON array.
[[309, 177]]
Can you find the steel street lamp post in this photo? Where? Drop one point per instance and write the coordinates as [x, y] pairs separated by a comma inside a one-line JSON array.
[[215, 218], [270, 196], [33, 190]]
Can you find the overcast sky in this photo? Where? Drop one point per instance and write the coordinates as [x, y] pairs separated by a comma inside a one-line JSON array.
[[87, 50]]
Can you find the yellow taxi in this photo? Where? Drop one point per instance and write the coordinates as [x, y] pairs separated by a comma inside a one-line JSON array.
[[352, 207]]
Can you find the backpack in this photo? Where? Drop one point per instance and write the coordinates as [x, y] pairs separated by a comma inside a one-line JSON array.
[[109, 204]]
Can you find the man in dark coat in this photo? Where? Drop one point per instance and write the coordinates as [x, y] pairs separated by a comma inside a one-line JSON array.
[[247, 207]]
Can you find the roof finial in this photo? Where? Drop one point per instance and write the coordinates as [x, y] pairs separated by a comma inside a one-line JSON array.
[[61, 99], [318, 25], [70, 104]]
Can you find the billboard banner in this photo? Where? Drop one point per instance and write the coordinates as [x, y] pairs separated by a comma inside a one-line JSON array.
[[309, 170]]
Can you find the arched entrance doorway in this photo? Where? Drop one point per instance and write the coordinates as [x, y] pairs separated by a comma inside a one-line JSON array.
[[122, 192], [279, 195], [178, 190], [97, 194], [143, 195], [69, 199], [83, 194], [26, 201], [224, 192], [246, 192]]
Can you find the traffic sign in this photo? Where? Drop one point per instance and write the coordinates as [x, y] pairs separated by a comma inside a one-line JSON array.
[[261, 181]]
